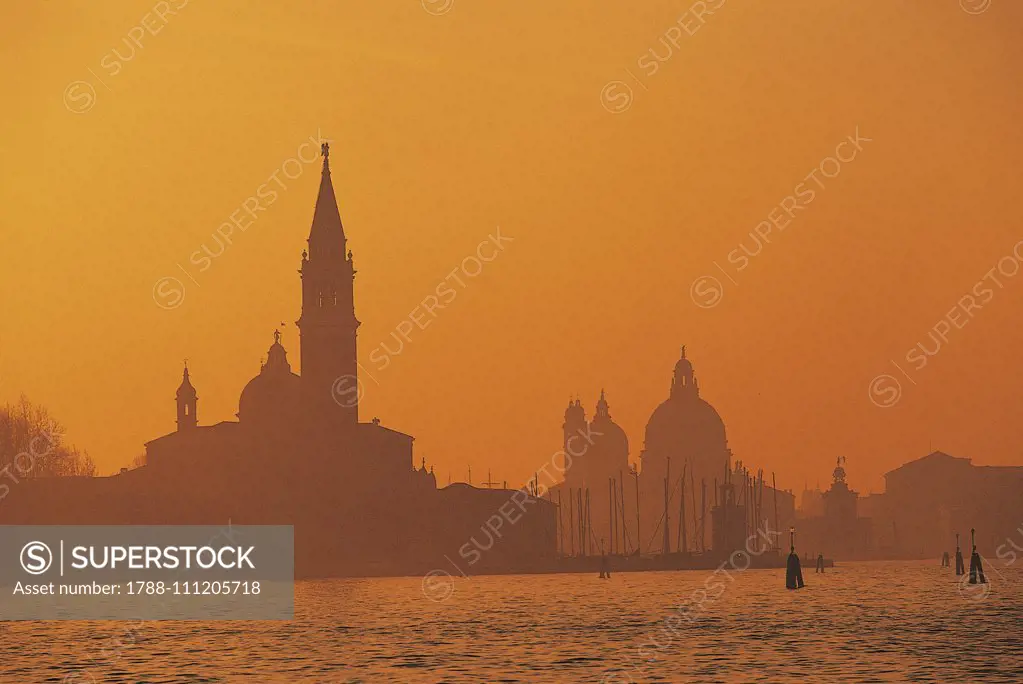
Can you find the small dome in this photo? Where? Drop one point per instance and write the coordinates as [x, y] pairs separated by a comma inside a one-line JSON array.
[[273, 396], [609, 438]]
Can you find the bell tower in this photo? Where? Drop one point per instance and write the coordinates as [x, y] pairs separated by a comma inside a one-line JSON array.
[[327, 326], [575, 442], [186, 399]]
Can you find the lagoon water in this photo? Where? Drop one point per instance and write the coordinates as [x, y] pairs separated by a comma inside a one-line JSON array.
[[859, 622]]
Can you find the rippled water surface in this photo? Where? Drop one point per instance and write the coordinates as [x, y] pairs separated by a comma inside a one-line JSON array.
[[858, 622]]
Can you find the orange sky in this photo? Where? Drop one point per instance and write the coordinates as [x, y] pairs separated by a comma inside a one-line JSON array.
[[445, 126]]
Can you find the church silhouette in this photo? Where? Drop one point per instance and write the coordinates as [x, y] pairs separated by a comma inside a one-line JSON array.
[[298, 454]]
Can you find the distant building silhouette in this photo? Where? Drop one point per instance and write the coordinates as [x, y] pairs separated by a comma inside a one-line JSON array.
[[840, 532], [928, 500], [599, 449], [811, 502]]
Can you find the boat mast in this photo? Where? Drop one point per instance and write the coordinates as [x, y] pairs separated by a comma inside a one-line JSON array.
[[774, 486], [621, 509], [683, 542], [666, 544], [589, 523], [561, 528], [639, 537], [610, 516], [703, 515], [692, 490], [571, 523]]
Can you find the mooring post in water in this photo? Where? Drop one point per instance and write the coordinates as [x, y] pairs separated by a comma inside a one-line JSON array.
[[960, 567], [604, 571], [820, 564], [945, 561], [976, 569], [793, 572]]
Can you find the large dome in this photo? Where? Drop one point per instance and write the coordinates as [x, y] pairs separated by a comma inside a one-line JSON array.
[[679, 419], [685, 428], [272, 397]]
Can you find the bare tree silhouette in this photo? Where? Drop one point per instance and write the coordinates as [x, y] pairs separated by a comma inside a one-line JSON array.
[[32, 444]]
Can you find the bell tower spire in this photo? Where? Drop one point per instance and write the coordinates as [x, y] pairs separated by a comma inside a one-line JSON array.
[[603, 411], [327, 327], [186, 399]]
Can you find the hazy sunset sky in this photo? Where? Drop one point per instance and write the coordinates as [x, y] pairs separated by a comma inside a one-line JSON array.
[[451, 120]]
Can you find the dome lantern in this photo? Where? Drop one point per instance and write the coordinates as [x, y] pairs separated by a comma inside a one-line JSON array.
[[683, 382]]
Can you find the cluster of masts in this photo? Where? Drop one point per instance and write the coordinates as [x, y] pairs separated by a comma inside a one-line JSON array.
[[575, 526]]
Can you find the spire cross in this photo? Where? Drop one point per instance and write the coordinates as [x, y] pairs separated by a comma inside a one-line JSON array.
[[325, 149]]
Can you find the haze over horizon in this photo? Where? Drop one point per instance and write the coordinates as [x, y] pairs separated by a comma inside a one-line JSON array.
[[442, 134]]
